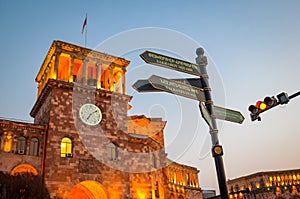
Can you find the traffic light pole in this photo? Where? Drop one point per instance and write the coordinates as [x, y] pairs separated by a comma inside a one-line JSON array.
[[294, 95], [201, 60]]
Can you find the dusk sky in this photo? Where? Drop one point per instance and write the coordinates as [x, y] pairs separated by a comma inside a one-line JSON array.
[[253, 50]]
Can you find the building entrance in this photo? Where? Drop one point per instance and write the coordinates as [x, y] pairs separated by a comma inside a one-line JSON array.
[[88, 189]]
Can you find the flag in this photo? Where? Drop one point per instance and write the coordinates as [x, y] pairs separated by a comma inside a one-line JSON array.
[[84, 24]]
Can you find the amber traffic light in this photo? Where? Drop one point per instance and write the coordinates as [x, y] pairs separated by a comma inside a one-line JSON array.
[[261, 106]]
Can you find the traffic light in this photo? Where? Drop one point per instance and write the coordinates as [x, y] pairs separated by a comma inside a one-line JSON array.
[[261, 106]]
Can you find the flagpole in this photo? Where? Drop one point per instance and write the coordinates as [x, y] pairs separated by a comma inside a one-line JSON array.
[[85, 41]]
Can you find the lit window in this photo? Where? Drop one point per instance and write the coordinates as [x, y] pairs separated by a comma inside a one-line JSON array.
[[21, 146], [294, 177], [7, 143], [294, 190], [278, 191], [112, 151], [66, 147], [34, 147]]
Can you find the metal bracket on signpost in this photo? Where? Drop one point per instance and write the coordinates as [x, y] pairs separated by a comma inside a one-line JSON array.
[[217, 150]]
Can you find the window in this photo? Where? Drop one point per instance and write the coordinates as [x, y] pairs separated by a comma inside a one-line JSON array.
[[34, 147], [66, 147], [112, 151], [154, 161], [7, 143], [21, 146]]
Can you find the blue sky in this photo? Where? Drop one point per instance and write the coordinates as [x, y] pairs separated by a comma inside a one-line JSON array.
[[253, 49]]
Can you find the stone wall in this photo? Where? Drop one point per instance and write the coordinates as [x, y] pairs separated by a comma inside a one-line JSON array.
[[13, 158]]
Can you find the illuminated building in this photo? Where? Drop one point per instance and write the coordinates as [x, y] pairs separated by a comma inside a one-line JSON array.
[[267, 185], [83, 143]]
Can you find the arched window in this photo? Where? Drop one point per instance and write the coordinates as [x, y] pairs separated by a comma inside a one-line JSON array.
[[112, 151], [66, 147], [21, 146], [34, 147], [7, 144]]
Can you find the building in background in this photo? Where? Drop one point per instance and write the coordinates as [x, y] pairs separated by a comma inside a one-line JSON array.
[[266, 185], [83, 143]]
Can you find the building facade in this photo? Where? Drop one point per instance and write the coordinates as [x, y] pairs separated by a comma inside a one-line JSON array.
[[266, 185], [83, 143]]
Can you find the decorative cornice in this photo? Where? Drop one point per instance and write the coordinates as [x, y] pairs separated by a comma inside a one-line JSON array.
[[266, 173], [80, 52], [176, 165], [144, 139], [21, 125]]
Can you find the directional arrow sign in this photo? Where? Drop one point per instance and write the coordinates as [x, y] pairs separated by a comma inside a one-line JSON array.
[[205, 114], [177, 88], [170, 62], [145, 86], [228, 114]]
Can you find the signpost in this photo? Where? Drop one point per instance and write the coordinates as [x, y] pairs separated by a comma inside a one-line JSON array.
[[205, 114], [170, 62], [143, 85], [228, 114], [197, 89], [221, 114], [177, 88]]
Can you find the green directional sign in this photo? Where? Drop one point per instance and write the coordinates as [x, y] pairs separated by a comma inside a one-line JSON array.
[[177, 88], [205, 114], [228, 114], [170, 62], [143, 85]]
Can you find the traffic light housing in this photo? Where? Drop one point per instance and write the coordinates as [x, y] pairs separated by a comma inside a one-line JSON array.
[[261, 106], [283, 98]]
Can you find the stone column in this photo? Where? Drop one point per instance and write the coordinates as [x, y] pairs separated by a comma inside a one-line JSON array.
[[111, 80], [196, 180], [84, 72], [123, 82], [56, 63], [71, 69], [98, 75]]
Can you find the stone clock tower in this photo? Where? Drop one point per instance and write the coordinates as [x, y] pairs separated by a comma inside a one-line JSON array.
[[82, 101], [91, 148]]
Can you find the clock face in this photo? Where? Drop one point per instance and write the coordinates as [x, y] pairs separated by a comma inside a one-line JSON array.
[[90, 114]]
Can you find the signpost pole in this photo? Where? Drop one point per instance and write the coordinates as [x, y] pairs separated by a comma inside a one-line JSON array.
[[217, 150]]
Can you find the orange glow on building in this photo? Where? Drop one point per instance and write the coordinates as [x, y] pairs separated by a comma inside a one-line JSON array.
[[88, 189], [72, 63], [24, 168], [7, 143], [141, 194], [141, 191], [64, 67]]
